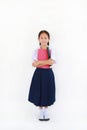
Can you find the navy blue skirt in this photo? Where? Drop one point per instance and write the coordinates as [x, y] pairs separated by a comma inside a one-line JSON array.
[[42, 88]]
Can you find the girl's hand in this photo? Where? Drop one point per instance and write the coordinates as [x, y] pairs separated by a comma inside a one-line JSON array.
[[44, 62], [35, 64], [51, 62]]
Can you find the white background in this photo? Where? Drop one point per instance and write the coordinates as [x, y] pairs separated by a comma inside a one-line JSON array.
[[20, 23]]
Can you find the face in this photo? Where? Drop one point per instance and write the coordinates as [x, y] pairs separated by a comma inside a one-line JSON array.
[[43, 39]]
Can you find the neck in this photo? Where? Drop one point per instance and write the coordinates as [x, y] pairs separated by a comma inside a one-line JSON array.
[[43, 47]]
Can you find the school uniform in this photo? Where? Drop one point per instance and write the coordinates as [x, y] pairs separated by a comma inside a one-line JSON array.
[[42, 87]]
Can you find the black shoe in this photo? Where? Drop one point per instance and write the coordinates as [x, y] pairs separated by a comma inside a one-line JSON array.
[[41, 119], [44, 119], [47, 119]]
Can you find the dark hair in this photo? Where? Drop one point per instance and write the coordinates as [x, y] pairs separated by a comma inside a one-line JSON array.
[[46, 32]]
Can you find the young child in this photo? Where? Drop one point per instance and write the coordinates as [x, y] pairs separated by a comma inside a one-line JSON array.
[[42, 88]]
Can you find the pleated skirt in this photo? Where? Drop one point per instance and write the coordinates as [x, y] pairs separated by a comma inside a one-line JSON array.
[[42, 88]]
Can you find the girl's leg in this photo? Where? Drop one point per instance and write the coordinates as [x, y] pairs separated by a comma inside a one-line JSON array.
[[46, 114], [41, 113]]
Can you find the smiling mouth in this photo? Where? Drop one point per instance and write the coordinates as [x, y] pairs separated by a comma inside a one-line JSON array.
[[44, 42]]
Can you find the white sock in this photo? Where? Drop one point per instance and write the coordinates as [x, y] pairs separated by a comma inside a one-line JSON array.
[[46, 114], [41, 113]]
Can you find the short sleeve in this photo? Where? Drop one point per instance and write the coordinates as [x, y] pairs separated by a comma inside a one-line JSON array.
[[53, 56], [34, 55]]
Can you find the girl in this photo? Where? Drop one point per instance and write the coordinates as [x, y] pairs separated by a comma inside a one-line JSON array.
[[42, 89]]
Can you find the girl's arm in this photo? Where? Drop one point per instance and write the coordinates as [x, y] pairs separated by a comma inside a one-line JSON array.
[[43, 62]]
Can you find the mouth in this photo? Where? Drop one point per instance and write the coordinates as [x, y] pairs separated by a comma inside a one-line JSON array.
[[44, 43]]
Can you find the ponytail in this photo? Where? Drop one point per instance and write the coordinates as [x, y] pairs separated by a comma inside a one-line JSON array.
[[48, 51]]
